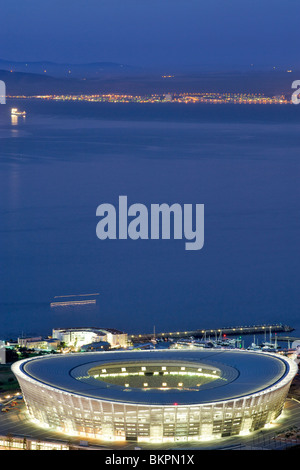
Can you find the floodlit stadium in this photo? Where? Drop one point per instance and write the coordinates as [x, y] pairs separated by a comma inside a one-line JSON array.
[[156, 395]]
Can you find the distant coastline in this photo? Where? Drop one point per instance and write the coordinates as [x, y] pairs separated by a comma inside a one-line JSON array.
[[207, 98], [268, 83]]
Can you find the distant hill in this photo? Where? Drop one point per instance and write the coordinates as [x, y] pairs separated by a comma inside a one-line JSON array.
[[269, 83], [18, 83], [63, 70]]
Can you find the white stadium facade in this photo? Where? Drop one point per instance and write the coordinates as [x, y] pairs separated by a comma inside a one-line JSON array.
[[156, 395]]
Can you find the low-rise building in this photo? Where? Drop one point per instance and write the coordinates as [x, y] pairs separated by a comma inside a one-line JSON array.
[[80, 336], [22, 342], [96, 346], [39, 343]]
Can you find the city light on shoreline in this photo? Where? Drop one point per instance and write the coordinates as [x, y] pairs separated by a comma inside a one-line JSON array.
[[204, 97]]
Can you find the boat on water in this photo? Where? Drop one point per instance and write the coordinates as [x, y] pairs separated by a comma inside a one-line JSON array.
[[253, 347], [16, 112]]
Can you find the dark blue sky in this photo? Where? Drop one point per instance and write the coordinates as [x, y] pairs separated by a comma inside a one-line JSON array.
[[152, 32]]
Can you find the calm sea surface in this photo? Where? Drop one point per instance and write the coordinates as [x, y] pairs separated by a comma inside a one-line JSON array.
[[64, 159]]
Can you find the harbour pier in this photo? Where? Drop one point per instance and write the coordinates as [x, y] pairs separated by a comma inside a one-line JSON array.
[[268, 329]]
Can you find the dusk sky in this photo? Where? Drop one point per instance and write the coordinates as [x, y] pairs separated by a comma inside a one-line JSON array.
[[67, 157], [152, 32]]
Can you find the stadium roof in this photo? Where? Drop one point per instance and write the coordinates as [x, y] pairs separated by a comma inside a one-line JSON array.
[[245, 373]]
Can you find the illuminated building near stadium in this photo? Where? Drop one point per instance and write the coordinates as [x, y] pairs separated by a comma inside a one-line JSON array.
[[156, 395]]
